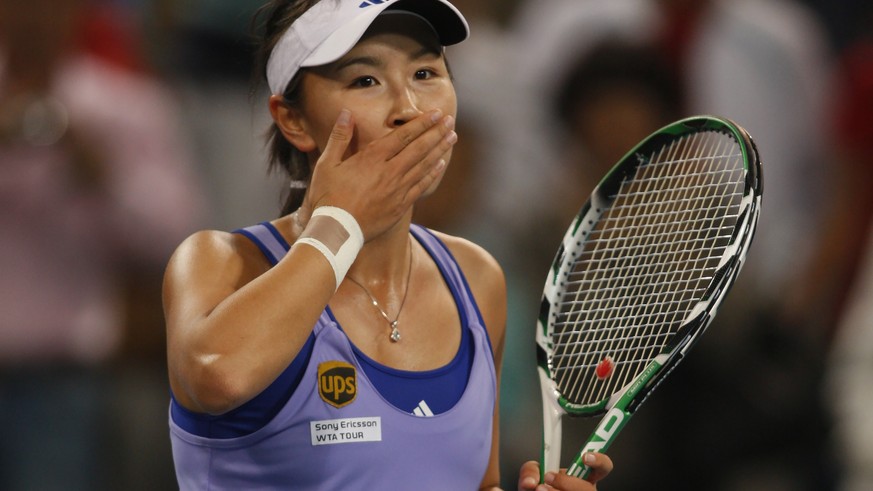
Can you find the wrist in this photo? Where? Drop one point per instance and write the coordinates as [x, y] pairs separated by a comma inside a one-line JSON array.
[[336, 234]]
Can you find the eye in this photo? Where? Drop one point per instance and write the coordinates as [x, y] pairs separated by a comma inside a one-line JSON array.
[[364, 82], [423, 74]]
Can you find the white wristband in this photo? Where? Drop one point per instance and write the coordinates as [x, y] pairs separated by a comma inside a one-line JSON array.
[[336, 234]]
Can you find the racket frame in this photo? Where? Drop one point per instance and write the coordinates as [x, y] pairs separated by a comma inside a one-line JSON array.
[[618, 409]]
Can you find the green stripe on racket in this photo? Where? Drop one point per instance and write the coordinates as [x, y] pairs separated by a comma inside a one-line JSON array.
[[640, 274]]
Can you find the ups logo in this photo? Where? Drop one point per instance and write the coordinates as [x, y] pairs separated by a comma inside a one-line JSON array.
[[337, 383]]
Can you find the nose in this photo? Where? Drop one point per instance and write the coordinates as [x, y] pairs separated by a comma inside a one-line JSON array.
[[406, 107]]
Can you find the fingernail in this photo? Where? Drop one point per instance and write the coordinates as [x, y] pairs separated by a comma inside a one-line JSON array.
[[345, 116], [436, 115], [549, 478], [449, 122], [452, 137], [529, 482], [589, 458], [441, 165]]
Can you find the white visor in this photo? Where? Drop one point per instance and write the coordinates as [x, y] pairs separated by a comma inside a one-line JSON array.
[[330, 28]]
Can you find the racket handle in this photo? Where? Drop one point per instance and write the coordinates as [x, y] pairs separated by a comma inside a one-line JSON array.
[[600, 440]]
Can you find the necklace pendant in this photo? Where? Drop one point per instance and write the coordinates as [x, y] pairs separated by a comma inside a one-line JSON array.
[[395, 333]]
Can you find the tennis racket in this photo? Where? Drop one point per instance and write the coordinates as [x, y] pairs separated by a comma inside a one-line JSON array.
[[640, 273]]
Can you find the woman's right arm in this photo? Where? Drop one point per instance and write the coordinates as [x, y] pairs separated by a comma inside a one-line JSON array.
[[232, 325]]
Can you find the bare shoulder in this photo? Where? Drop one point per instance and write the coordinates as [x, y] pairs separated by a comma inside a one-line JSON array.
[[204, 242], [211, 264], [213, 247], [475, 261]]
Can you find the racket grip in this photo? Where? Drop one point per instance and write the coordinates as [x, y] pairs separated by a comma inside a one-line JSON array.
[[579, 469]]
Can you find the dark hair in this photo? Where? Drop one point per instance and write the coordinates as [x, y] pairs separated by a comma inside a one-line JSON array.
[[615, 62], [277, 16]]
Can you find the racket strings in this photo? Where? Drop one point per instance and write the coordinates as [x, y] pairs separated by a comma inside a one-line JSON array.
[[658, 337], [612, 252], [688, 286], [614, 344], [595, 307], [645, 264], [626, 340]]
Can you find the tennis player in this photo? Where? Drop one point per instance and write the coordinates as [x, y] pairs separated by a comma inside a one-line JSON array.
[[340, 346]]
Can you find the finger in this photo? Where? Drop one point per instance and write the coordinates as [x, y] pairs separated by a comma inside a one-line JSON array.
[[600, 464], [340, 138], [420, 187], [561, 481], [431, 165], [529, 476], [408, 133], [428, 147], [420, 178]]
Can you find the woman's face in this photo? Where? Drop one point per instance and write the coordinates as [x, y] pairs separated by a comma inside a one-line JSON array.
[[396, 72]]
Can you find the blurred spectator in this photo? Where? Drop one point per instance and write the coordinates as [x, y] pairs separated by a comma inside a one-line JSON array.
[[848, 390], [614, 96], [96, 185], [840, 240], [556, 171], [844, 265], [493, 116], [203, 48], [845, 20], [765, 64]]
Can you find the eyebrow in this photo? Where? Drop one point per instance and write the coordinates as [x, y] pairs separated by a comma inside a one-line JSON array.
[[374, 61]]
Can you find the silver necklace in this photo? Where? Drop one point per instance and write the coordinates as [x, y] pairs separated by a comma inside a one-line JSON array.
[[395, 333]]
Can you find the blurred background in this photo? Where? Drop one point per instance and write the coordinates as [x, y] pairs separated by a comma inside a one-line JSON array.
[[126, 125]]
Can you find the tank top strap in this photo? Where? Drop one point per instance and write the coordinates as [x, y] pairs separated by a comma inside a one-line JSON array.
[[450, 270], [268, 239]]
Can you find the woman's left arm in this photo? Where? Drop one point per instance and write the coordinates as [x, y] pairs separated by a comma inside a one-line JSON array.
[[492, 305], [488, 285]]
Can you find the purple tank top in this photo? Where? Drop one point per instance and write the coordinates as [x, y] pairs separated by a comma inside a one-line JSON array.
[[337, 432]]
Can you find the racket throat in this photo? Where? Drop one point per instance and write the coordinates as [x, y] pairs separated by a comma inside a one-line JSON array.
[[552, 425]]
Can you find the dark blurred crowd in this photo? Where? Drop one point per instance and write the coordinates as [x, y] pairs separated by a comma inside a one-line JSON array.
[[126, 125]]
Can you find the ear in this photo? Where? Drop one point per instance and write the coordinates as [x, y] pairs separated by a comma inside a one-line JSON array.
[[290, 123]]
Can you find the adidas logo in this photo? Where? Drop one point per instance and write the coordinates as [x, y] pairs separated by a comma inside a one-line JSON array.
[[369, 3], [422, 410]]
